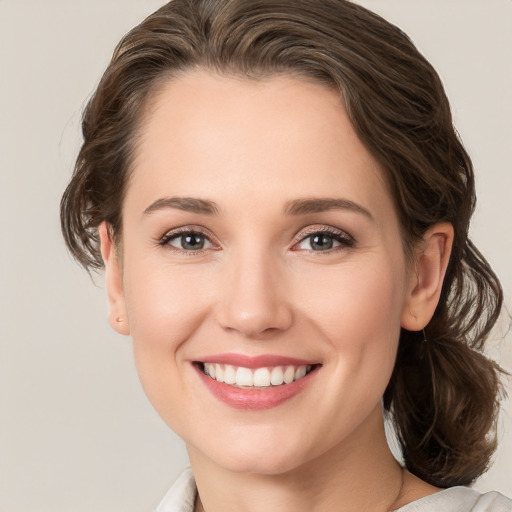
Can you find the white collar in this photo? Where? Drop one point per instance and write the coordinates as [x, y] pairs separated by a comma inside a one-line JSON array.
[[181, 496]]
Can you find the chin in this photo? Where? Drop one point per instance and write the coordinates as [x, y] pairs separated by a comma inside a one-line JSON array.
[[268, 453], [263, 464]]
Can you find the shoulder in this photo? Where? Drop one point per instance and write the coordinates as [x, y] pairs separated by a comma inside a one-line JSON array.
[[460, 499], [181, 496]]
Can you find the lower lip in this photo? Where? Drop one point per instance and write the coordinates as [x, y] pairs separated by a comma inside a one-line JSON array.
[[255, 399]]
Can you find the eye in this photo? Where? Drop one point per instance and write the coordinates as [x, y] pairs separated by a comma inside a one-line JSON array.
[[187, 241], [324, 240], [190, 242], [319, 242]]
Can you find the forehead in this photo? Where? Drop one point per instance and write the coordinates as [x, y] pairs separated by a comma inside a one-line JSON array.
[[283, 137]]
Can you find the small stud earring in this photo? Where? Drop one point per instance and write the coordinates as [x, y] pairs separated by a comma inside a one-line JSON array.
[[119, 319]]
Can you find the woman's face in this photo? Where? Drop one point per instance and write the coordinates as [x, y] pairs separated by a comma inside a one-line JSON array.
[[258, 233]]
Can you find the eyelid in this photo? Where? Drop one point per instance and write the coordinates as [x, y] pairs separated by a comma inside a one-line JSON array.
[[176, 232], [345, 239]]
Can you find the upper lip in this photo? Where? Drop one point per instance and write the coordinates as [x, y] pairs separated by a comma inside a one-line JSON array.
[[260, 361]]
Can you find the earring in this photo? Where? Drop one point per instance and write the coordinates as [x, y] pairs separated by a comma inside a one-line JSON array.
[[119, 319], [424, 336]]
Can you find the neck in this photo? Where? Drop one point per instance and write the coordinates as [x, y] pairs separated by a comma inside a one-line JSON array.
[[358, 474]]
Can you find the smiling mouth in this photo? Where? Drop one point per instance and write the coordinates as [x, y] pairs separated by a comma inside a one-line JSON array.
[[255, 378]]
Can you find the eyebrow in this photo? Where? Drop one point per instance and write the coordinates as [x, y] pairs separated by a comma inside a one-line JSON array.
[[296, 207], [317, 205], [187, 204]]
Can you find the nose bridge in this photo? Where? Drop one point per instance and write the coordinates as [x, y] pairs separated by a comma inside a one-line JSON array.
[[253, 300]]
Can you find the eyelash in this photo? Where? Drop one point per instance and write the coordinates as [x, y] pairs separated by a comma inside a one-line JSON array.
[[187, 230], [344, 239]]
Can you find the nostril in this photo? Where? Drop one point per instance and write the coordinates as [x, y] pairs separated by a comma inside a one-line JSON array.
[[261, 322]]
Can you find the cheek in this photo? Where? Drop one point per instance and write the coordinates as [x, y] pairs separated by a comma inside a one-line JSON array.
[[164, 304], [359, 318], [165, 307], [358, 315], [357, 300]]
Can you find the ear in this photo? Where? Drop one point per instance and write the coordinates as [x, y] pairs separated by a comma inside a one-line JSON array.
[[426, 281], [117, 317]]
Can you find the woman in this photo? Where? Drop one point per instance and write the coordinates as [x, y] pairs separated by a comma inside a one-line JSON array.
[[281, 205]]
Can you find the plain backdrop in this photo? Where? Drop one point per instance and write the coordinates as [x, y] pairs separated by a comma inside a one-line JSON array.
[[76, 431]]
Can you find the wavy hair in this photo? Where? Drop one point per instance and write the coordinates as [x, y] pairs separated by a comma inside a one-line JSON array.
[[443, 396]]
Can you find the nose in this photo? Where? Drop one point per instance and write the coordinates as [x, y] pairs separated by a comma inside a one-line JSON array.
[[254, 301]]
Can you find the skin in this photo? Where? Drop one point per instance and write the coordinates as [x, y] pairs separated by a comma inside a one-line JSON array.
[[259, 286]]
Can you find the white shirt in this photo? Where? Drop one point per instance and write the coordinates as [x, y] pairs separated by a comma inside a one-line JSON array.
[[182, 495]]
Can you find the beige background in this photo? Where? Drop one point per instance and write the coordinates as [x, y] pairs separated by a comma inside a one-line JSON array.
[[76, 432]]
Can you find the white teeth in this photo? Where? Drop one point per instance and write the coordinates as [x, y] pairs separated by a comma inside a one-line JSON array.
[[277, 377], [262, 377], [289, 374], [243, 377], [229, 374], [219, 372], [259, 377], [300, 372]]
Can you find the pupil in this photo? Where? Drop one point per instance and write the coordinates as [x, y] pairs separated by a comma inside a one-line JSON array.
[[194, 242], [321, 242]]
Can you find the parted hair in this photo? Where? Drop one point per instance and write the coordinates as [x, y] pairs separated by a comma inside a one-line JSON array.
[[443, 396]]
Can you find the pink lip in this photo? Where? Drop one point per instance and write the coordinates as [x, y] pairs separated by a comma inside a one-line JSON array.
[[254, 399], [255, 361]]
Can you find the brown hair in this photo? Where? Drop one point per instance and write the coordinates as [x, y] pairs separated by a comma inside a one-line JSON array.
[[443, 396]]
